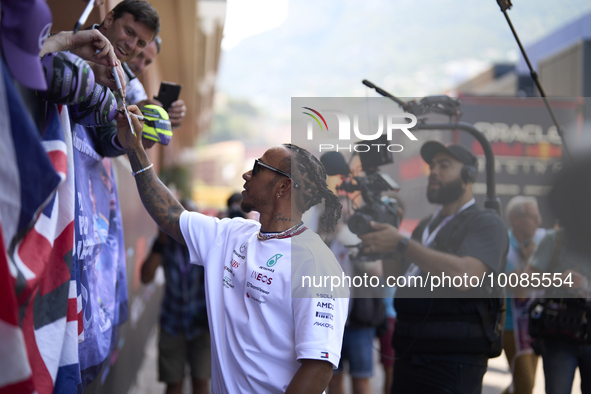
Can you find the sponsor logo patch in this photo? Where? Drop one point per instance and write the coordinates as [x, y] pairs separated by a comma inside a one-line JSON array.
[[324, 315], [261, 277], [324, 325], [251, 297], [250, 285], [273, 260], [325, 305], [320, 295], [243, 247]]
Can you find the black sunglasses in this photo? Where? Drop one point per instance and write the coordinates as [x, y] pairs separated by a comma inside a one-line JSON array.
[[258, 164]]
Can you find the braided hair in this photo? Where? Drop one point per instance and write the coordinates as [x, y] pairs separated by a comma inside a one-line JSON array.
[[311, 176]]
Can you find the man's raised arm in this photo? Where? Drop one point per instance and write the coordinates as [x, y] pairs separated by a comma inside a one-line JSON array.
[[157, 199]]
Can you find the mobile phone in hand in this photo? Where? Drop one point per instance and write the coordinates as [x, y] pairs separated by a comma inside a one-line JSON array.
[[168, 94]]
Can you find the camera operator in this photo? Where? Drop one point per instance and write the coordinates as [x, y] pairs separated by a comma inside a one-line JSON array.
[[443, 344]]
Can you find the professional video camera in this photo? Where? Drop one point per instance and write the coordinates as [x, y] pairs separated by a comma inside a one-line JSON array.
[[371, 186]]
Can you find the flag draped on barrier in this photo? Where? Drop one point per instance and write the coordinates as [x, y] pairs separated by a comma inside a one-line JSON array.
[[62, 302], [99, 255]]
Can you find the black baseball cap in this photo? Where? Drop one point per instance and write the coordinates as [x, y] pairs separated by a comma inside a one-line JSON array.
[[431, 148]]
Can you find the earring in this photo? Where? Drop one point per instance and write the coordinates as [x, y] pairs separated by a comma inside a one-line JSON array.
[[278, 195]]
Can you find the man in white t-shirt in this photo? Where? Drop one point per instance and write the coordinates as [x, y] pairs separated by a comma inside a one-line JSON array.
[[270, 333]]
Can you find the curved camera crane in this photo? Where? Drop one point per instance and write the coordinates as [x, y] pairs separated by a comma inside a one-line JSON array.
[[446, 105]]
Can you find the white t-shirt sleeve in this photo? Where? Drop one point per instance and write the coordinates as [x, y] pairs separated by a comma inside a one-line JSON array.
[[205, 235], [319, 321], [319, 328], [202, 234]]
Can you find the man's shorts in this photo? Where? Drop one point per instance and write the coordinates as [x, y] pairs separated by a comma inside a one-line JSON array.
[[358, 350], [176, 351]]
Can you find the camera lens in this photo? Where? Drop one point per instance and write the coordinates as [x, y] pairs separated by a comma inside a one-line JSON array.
[[359, 223]]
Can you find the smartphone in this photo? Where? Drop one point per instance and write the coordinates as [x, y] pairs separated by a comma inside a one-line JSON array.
[[168, 94]]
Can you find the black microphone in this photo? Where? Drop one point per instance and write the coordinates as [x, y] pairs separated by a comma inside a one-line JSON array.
[[368, 84], [335, 164], [384, 93]]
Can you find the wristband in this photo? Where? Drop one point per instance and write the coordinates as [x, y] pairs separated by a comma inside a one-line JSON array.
[[142, 170], [402, 246]]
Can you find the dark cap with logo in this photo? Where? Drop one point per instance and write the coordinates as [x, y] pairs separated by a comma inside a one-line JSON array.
[[431, 148], [25, 25]]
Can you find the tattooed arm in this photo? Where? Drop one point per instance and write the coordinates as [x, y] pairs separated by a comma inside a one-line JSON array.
[[157, 199]]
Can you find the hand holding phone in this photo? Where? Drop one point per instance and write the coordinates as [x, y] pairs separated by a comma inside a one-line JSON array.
[[168, 94], [176, 113]]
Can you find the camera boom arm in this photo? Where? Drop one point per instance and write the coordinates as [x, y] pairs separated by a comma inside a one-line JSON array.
[[452, 107]]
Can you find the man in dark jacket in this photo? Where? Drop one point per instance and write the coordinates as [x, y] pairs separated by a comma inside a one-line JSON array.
[[444, 335]]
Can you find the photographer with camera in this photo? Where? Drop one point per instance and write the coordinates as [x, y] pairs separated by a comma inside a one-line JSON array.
[[443, 342], [364, 315]]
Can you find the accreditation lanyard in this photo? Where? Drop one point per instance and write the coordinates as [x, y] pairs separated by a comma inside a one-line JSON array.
[[428, 237]]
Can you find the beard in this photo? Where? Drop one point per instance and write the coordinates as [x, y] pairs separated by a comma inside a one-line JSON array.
[[256, 201], [447, 193], [246, 208]]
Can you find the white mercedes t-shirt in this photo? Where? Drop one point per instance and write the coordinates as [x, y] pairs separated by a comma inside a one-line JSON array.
[[258, 330]]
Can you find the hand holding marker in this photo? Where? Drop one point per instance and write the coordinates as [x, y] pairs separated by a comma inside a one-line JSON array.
[[120, 90], [138, 117], [157, 126]]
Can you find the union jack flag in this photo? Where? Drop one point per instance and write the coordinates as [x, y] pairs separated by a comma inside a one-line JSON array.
[[37, 216]]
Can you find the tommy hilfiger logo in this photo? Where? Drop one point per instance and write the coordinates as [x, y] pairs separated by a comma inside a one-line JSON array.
[[323, 354]]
